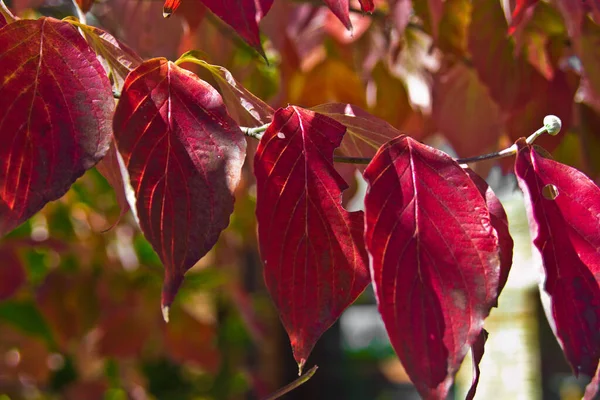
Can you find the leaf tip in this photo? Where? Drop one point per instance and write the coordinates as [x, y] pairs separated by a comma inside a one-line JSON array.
[[301, 366], [165, 313], [167, 12]]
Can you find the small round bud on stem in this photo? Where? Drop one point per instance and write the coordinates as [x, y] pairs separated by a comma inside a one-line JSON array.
[[552, 124]]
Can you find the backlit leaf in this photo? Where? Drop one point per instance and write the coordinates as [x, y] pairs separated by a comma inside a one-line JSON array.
[[365, 133], [184, 155], [315, 263], [241, 15], [242, 105], [563, 207], [434, 259], [367, 5], [499, 221], [118, 58], [55, 110], [464, 111]]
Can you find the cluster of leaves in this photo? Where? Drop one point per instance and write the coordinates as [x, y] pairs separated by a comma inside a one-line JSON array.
[[433, 238]]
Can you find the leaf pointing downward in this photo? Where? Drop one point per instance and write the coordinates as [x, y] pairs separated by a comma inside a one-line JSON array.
[[184, 156], [563, 207], [313, 249], [434, 259]]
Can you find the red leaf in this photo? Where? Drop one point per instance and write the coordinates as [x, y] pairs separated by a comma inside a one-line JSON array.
[[434, 259], [12, 273], [170, 7], [184, 155], [2, 20], [313, 249], [365, 133], [464, 111], [563, 207], [519, 14], [341, 9], [499, 221], [367, 5], [55, 110], [241, 15], [477, 350]]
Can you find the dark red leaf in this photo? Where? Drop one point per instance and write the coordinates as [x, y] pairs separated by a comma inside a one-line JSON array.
[[434, 259], [477, 350], [313, 250], [2, 20], [341, 9], [55, 110], [499, 221], [367, 5], [12, 273], [241, 15], [184, 155], [563, 207]]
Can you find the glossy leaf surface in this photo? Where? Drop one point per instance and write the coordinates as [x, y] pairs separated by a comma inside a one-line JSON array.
[[563, 207], [434, 259], [184, 154], [313, 250], [55, 111]]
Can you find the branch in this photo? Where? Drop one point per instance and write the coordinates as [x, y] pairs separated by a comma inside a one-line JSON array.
[[552, 126]]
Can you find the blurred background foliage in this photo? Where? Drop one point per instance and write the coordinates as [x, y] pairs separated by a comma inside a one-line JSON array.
[[80, 286]]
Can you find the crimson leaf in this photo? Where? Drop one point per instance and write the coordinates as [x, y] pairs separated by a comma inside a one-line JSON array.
[[434, 259], [313, 250], [341, 9], [563, 207], [241, 15], [184, 155], [55, 110]]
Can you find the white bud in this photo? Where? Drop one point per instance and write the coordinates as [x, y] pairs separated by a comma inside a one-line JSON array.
[[552, 124]]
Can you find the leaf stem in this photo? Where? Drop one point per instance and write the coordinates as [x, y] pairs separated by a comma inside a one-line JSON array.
[[288, 388], [255, 132], [8, 16]]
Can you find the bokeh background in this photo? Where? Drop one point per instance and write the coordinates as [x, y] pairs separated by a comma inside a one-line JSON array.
[[80, 286]]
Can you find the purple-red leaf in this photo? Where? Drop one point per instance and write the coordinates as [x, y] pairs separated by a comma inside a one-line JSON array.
[[499, 221], [241, 15], [55, 110], [184, 155], [341, 9], [367, 5], [434, 259], [313, 250], [477, 350], [563, 207]]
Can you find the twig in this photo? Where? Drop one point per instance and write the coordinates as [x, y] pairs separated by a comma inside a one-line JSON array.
[[552, 126]]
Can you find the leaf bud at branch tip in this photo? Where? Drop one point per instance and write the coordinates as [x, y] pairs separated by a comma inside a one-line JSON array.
[[552, 124]]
